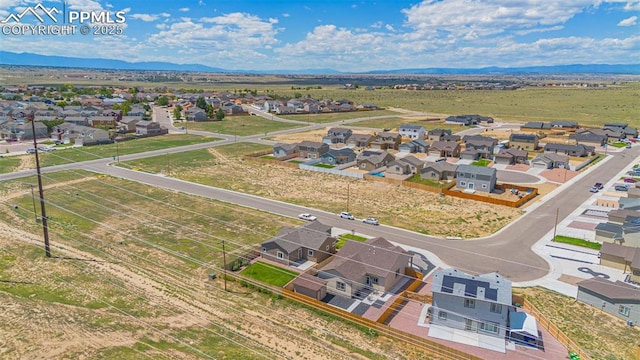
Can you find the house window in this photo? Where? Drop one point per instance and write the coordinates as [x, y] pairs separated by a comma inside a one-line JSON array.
[[375, 280], [340, 286], [442, 315], [636, 272], [309, 252], [489, 327], [397, 272], [264, 250], [470, 303], [624, 311], [470, 325], [484, 186], [496, 308], [463, 183], [327, 248], [280, 255]]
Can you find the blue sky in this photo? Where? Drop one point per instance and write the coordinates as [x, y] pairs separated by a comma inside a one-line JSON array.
[[357, 35]]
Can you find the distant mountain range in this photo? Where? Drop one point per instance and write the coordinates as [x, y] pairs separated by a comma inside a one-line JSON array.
[[27, 59]]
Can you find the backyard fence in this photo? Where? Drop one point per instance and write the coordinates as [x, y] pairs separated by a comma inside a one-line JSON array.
[[260, 157], [337, 170], [492, 200], [550, 327], [401, 299]]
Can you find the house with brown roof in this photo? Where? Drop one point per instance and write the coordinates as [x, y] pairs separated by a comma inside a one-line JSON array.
[[437, 171], [281, 150], [337, 135], [386, 140], [511, 156], [618, 298], [359, 140], [444, 149], [625, 258], [524, 141], [371, 160], [312, 149], [437, 134], [550, 161], [405, 166], [578, 150], [375, 264], [311, 286], [310, 242]]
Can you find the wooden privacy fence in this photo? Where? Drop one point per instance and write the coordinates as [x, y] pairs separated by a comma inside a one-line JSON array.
[[399, 301], [258, 157], [417, 341], [492, 200], [551, 327]]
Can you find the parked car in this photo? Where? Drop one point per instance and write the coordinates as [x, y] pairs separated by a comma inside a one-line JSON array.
[[628, 146], [371, 221], [347, 215], [630, 180], [598, 185], [307, 217], [622, 187], [31, 151], [594, 189]]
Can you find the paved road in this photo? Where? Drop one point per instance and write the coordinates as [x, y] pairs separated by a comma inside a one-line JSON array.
[[507, 252]]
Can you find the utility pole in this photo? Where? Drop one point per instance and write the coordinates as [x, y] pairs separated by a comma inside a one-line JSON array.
[[224, 265], [555, 227], [117, 150], [168, 165], [45, 229], [348, 194]]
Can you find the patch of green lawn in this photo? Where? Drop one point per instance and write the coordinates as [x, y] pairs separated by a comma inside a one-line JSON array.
[[326, 166], [332, 117], [481, 162], [618, 144], [269, 274], [9, 164], [342, 239], [577, 242], [417, 179]]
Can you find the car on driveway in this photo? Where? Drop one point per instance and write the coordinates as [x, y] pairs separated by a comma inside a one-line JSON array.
[[624, 187], [371, 221], [630, 180], [347, 215], [307, 217]]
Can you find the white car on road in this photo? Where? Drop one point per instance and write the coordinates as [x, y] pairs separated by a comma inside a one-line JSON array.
[[347, 215], [371, 221], [307, 217]]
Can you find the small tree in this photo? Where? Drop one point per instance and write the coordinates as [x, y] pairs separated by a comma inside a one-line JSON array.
[[61, 104], [163, 101], [201, 103], [219, 115], [177, 112]]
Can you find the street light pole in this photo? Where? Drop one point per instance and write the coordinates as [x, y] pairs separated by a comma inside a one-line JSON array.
[[348, 194], [555, 227]]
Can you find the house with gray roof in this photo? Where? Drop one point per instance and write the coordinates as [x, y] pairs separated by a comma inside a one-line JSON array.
[[437, 171], [312, 149], [482, 144], [412, 131], [281, 150], [477, 178], [310, 242], [371, 160], [386, 140], [590, 137], [337, 135], [360, 267], [405, 166], [338, 156], [511, 156], [524, 141], [618, 298], [578, 150], [550, 161], [535, 126], [564, 124], [625, 258], [414, 146], [475, 303], [437, 134]]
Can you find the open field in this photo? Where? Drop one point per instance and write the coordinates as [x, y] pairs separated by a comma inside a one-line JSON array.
[[599, 334], [240, 125], [332, 117], [399, 206], [71, 155], [129, 280]]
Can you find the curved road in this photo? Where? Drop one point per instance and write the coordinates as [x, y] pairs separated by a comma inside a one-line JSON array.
[[507, 252]]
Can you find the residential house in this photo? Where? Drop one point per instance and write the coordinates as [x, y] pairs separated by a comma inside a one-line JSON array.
[[284, 110], [564, 125], [77, 120], [482, 144], [550, 161], [230, 108], [103, 121], [476, 178], [527, 142], [626, 233], [195, 114], [281, 150], [411, 131], [578, 150], [150, 128], [444, 149], [479, 303], [16, 131], [310, 242], [372, 160], [414, 146], [311, 286], [628, 131], [359, 140], [338, 156], [511, 156], [536, 126], [128, 123], [470, 154], [405, 166], [437, 134], [361, 267], [451, 137], [337, 135], [386, 141], [619, 299], [116, 114], [620, 216], [625, 258], [467, 120], [589, 137], [81, 135], [312, 149], [437, 171]]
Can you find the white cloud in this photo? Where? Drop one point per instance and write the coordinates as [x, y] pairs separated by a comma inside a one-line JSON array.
[[184, 9], [389, 27], [539, 30], [286, 15], [631, 21], [143, 17], [632, 6]]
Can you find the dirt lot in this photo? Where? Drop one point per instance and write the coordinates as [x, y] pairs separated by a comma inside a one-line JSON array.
[[128, 302]]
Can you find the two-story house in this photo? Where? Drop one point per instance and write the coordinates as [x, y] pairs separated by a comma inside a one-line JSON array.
[[371, 160], [412, 132], [337, 135], [312, 149], [478, 178], [437, 134], [528, 142], [386, 141]]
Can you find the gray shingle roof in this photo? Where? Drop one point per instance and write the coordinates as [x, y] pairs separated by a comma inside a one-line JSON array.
[[492, 287], [480, 170], [618, 291]]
